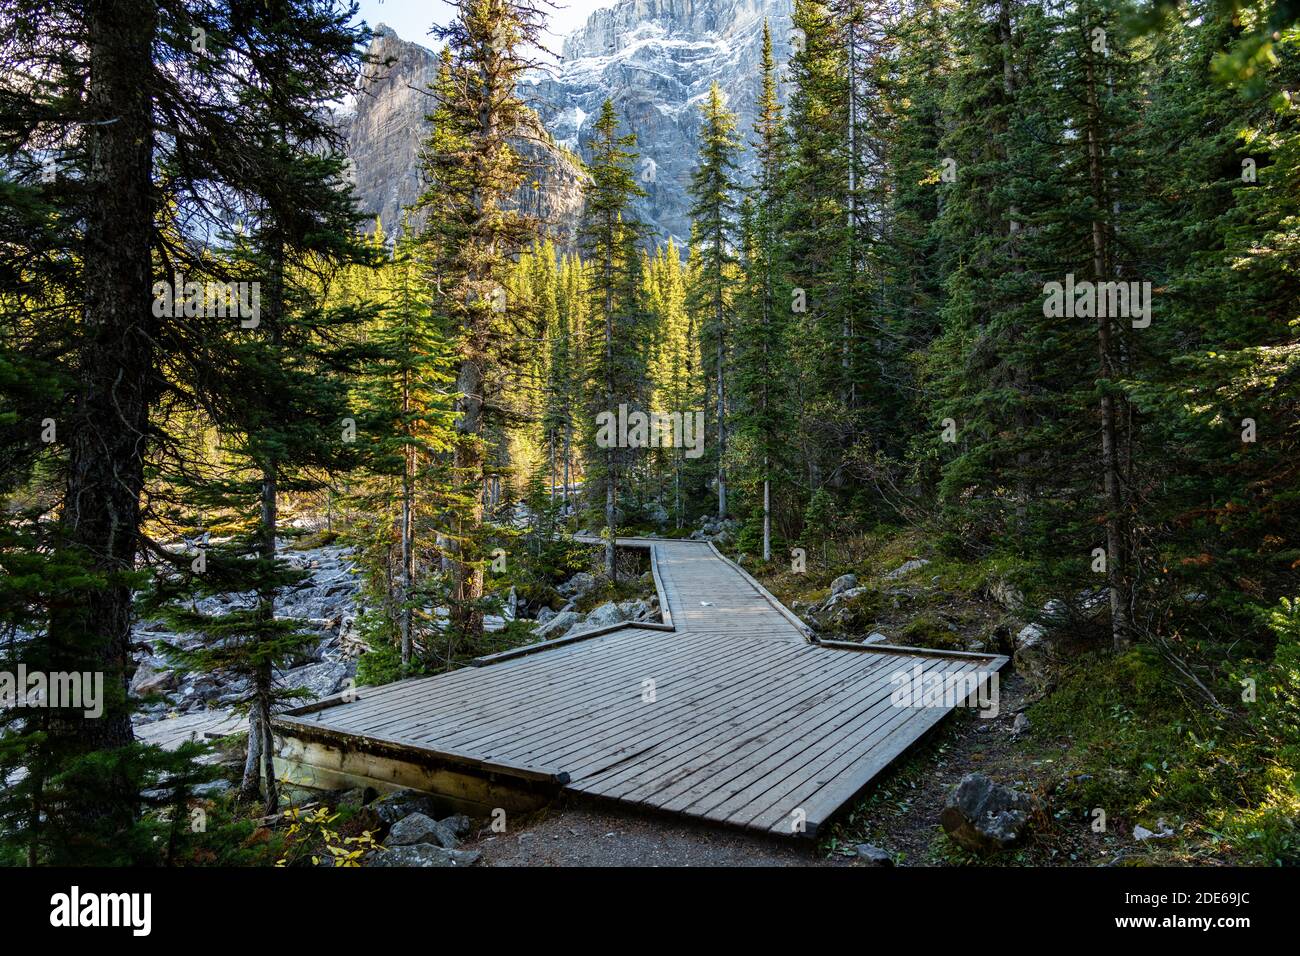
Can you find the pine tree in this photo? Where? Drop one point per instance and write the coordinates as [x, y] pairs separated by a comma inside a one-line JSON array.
[[713, 210], [762, 327], [474, 234], [616, 365], [175, 110]]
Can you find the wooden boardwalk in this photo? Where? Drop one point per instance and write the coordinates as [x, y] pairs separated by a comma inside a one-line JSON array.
[[728, 712]]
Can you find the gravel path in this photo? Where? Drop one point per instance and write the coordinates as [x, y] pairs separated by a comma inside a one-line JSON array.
[[578, 833]]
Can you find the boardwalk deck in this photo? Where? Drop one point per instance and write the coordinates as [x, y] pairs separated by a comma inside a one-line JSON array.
[[733, 715]]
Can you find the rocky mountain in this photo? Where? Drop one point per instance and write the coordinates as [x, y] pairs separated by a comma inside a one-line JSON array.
[[656, 60], [386, 122]]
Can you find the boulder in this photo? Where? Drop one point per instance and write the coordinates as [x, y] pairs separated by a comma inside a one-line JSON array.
[[422, 854], [1009, 597], [1162, 832], [148, 680], [558, 625], [458, 824], [579, 584], [421, 828], [906, 568], [839, 597], [1033, 654], [399, 804], [843, 583], [544, 615], [636, 610], [604, 616], [985, 816], [874, 855], [320, 680]]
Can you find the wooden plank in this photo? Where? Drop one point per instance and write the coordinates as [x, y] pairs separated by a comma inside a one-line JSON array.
[[794, 727], [595, 702], [517, 652], [688, 747], [710, 702], [442, 691], [291, 727], [802, 783], [513, 691]]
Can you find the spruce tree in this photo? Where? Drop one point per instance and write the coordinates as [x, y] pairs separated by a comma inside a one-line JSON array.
[[616, 364], [713, 214], [473, 169]]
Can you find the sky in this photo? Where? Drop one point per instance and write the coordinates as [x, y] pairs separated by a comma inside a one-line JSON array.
[[411, 18]]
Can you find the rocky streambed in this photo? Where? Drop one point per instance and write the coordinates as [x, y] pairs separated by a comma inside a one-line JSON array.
[[326, 603]]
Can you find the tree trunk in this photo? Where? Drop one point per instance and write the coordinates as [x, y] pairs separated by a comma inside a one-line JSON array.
[[767, 516], [408, 554], [1020, 376], [250, 785], [259, 729], [611, 493], [722, 423], [467, 573], [1116, 531], [107, 434]]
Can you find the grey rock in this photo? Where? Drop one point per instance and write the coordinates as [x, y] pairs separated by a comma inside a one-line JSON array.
[[906, 568], [635, 610], [985, 816], [396, 806], [604, 616], [459, 824], [874, 854], [1033, 654], [1162, 832], [387, 124], [1019, 725], [422, 854], [578, 585], [320, 680], [420, 828], [840, 597], [558, 625], [843, 583], [150, 680], [1006, 595]]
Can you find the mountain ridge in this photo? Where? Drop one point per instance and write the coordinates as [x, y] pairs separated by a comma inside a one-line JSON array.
[[655, 59]]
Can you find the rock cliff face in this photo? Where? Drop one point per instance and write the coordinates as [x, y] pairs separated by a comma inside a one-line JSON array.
[[656, 60], [386, 123]]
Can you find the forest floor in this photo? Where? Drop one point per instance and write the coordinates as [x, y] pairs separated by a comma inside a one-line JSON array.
[[579, 832]]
